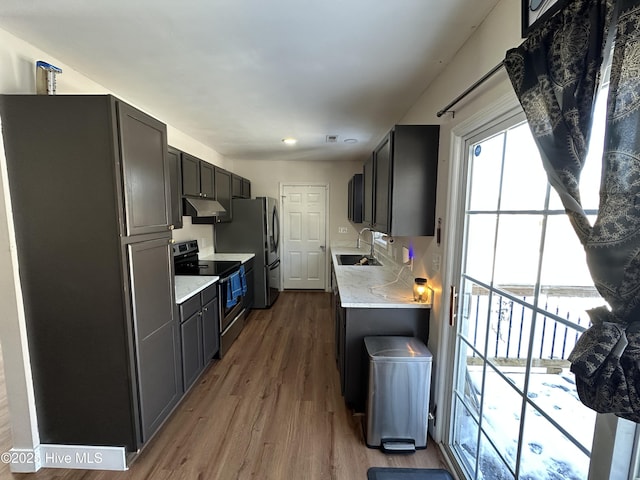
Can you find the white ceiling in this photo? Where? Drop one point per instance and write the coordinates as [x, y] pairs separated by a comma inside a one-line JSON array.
[[240, 75]]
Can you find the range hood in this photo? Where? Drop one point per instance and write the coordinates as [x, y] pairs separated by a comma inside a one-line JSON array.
[[198, 207]]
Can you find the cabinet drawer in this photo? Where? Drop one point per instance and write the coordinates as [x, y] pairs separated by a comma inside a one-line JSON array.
[[209, 293], [190, 307]]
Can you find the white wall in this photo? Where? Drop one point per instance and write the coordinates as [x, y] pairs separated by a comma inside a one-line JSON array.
[[266, 177]]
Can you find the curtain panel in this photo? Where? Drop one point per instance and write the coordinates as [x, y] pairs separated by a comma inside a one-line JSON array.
[[556, 75]]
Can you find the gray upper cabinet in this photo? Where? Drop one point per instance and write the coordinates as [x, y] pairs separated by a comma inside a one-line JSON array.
[[236, 186], [89, 189], [382, 185], [223, 193], [400, 182], [174, 157], [145, 171], [367, 191], [207, 180], [240, 187], [197, 177], [354, 209], [246, 188], [190, 173]]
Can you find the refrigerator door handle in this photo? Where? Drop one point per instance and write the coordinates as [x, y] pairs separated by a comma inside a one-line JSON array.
[[275, 229], [274, 265]]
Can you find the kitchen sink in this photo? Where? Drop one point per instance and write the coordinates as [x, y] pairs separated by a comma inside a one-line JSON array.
[[360, 260]]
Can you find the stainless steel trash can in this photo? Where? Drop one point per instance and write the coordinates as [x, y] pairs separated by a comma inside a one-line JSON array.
[[398, 393]]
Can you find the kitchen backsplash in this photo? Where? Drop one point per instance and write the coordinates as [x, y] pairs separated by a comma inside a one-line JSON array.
[[202, 233]]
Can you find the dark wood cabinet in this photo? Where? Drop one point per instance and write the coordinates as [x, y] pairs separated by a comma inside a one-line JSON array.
[[199, 333], [223, 193], [97, 280], [175, 181], [354, 208], [400, 182]]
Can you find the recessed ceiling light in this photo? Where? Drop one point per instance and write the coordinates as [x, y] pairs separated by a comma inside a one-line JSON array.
[[350, 140], [290, 141]]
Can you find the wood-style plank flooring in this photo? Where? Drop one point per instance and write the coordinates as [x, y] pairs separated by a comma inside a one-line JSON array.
[[270, 409]]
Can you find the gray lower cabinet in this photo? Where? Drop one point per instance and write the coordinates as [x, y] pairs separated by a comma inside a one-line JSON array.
[[199, 333], [192, 355], [352, 325], [156, 332], [249, 298], [210, 323]]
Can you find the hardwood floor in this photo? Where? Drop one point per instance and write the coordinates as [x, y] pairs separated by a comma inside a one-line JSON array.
[[270, 409]]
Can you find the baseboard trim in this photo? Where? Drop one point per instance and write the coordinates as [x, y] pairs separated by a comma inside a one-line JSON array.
[[84, 457]]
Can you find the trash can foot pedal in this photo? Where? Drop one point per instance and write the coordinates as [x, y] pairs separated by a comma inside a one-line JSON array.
[[398, 446]]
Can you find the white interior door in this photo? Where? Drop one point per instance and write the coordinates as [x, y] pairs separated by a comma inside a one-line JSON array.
[[304, 225]]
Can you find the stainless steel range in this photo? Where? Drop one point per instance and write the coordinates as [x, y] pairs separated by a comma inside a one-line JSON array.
[[232, 308]]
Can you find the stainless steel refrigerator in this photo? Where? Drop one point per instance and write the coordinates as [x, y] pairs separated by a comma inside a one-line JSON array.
[[255, 229]]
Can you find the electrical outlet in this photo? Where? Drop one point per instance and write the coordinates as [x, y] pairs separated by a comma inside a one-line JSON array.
[[343, 230], [405, 255], [436, 260]]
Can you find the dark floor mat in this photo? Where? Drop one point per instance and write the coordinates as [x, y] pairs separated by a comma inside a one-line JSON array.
[[380, 473]]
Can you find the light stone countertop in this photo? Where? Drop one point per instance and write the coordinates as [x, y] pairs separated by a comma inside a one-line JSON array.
[[372, 286], [237, 257], [188, 285]]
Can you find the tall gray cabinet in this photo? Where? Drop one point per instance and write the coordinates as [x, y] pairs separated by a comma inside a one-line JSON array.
[[89, 186]]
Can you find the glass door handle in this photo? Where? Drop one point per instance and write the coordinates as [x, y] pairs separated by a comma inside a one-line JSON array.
[[453, 305]]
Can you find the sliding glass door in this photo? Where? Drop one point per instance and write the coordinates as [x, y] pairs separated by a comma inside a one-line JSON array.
[[523, 289]]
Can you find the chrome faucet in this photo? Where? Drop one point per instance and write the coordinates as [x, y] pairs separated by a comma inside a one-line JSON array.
[[372, 243]]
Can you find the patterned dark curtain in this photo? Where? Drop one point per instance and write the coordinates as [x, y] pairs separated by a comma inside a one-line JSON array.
[[555, 74]]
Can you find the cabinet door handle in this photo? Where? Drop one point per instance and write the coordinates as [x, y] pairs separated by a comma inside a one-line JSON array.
[[172, 241], [205, 309], [171, 227]]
